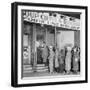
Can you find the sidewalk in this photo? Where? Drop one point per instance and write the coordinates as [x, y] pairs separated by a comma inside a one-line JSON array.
[[35, 74]]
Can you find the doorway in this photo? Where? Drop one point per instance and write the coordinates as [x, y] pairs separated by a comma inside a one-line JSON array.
[[40, 41]]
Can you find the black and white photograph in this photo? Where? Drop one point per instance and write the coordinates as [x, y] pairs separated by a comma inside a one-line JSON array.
[[49, 43]]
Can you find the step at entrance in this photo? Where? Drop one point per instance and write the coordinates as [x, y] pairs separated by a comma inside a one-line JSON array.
[[39, 68]]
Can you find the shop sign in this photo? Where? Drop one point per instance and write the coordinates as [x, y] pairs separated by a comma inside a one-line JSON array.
[[56, 19]]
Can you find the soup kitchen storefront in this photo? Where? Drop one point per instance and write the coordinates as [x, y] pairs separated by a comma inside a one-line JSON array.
[[40, 29]]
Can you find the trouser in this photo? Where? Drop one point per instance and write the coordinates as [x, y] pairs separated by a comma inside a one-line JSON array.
[[51, 68], [61, 68]]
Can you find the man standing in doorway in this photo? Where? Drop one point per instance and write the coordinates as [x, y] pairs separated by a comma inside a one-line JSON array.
[[45, 53]]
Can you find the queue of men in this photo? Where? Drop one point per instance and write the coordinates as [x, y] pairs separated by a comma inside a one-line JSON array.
[[66, 60]]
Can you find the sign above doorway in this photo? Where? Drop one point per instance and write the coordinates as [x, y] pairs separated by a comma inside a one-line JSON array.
[[53, 19]]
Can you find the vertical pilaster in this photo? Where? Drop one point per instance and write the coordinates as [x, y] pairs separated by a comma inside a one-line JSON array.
[[46, 35], [34, 47], [55, 37]]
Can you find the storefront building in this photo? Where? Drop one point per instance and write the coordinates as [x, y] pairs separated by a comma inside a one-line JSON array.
[[46, 28]]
